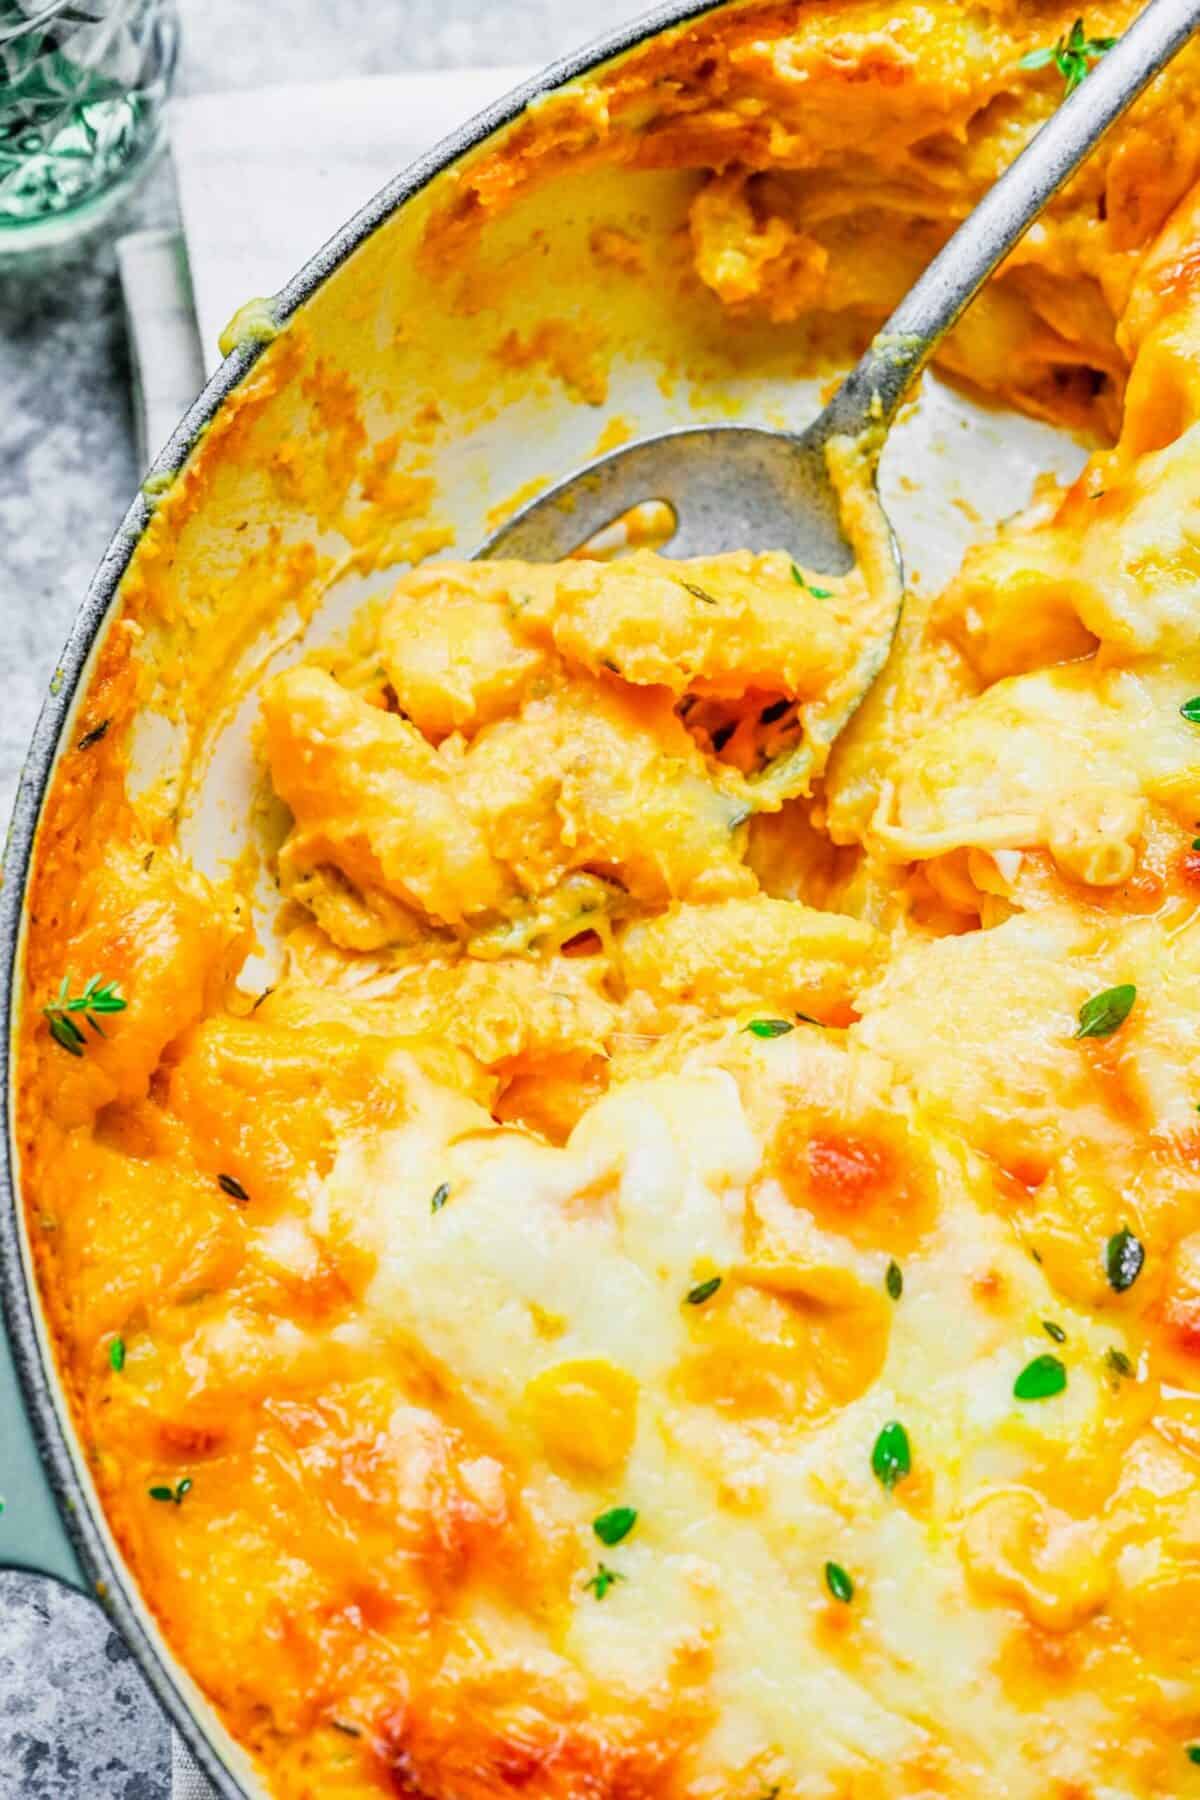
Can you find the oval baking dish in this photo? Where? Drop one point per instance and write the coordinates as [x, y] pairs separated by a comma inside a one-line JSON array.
[[874, 1130]]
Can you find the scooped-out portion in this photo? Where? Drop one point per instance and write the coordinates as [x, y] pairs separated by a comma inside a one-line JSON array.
[[511, 747], [684, 1284]]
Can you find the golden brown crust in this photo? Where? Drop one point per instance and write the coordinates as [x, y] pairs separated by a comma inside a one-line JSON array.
[[596, 1148]]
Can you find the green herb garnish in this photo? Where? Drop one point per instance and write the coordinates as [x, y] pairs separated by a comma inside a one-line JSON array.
[[1118, 1362], [173, 1494], [1103, 1013], [1191, 710], [602, 1580], [891, 1459], [1041, 1379], [229, 1184], [441, 1194], [1124, 1256], [97, 997], [699, 593], [893, 1281], [1073, 55], [839, 1583], [703, 1290], [116, 1354], [1054, 1331], [770, 1028], [1193, 1753], [615, 1524], [816, 592]]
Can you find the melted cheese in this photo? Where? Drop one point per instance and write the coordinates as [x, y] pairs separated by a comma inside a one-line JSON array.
[[599, 1145]]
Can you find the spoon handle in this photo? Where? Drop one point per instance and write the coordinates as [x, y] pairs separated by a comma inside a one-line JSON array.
[[868, 399]]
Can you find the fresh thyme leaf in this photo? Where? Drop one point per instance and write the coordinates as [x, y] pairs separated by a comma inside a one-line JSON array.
[[1191, 710], [894, 1280], [1104, 1013], [704, 1290], [229, 1184], [174, 1494], [769, 1028], [1118, 1362], [1196, 843], [346, 1729], [1193, 1753], [602, 1580], [723, 733], [1124, 1256], [441, 1194], [116, 1355], [818, 593], [94, 735], [97, 997], [699, 593], [1073, 55], [1041, 1379], [891, 1459], [66, 1032], [1054, 1331], [617, 1523], [839, 1583], [807, 1019], [776, 710]]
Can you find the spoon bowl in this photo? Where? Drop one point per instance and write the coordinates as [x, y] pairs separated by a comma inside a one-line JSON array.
[[728, 486]]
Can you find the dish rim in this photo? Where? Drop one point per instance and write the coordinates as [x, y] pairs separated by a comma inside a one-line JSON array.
[[41, 1389]]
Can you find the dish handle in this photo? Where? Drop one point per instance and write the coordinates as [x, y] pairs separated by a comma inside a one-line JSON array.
[[32, 1532]]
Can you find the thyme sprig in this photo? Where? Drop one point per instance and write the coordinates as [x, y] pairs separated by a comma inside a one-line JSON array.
[[602, 1580], [171, 1496], [98, 997], [1073, 55]]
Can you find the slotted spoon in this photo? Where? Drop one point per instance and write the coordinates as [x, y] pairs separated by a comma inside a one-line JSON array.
[[741, 486]]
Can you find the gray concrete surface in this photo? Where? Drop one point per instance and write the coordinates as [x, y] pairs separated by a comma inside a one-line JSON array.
[[75, 1721]]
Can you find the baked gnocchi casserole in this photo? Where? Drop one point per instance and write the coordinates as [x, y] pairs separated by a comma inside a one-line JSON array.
[[681, 1286]]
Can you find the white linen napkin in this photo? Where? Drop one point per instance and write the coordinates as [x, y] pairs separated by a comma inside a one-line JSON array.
[[264, 178]]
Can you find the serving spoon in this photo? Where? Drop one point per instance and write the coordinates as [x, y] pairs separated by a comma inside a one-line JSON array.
[[746, 487]]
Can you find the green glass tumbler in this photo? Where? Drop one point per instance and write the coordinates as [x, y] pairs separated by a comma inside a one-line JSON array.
[[83, 91]]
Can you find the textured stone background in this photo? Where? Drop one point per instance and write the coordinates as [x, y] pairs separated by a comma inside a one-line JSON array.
[[75, 1721]]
